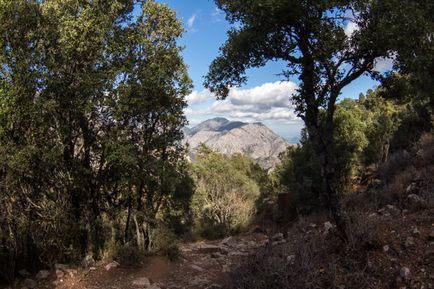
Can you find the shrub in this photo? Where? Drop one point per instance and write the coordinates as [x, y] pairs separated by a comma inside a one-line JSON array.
[[125, 254], [224, 202]]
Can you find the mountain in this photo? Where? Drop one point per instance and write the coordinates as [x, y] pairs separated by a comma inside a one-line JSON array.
[[253, 139]]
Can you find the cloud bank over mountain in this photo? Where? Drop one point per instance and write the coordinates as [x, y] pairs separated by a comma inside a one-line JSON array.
[[269, 101]]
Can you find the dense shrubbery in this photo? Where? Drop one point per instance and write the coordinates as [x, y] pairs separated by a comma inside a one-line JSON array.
[[227, 189]]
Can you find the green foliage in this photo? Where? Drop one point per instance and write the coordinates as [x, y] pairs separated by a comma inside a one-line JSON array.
[[226, 192], [91, 111], [365, 130], [299, 174]]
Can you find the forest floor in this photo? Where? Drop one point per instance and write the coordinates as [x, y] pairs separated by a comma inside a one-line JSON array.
[[403, 258], [202, 264]]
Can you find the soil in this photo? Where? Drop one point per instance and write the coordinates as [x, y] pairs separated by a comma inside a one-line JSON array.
[[202, 264]]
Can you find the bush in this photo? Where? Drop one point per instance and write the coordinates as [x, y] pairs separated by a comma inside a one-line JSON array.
[[165, 241], [311, 260], [226, 193], [125, 254]]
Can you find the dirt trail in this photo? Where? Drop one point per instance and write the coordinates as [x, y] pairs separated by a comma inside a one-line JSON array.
[[202, 265]]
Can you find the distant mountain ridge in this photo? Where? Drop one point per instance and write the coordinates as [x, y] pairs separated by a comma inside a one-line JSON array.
[[228, 137]]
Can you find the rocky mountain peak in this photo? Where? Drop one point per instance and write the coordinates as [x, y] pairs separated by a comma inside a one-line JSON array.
[[253, 139]]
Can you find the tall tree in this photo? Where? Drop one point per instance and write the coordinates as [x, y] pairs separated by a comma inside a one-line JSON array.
[[91, 110], [310, 37]]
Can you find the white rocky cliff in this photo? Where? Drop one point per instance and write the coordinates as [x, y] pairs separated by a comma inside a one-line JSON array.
[[228, 137]]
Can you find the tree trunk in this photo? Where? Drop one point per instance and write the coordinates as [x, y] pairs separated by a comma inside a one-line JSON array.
[[324, 148], [139, 236]]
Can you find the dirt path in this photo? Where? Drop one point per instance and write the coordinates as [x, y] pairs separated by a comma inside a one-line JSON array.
[[202, 265]]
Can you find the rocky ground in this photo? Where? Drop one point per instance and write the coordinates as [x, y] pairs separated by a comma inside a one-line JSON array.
[[400, 256], [202, 265]]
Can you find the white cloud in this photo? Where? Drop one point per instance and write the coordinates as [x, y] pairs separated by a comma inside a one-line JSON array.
[[267, 102], [197, 97], [216, 15], [191, 20], [383, 64], [268, 95], [351, 28]]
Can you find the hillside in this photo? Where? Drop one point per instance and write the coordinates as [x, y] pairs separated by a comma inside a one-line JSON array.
[[228, 137]]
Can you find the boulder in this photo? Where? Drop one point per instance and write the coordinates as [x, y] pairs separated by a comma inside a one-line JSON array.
[[43, 274], [142, 282]]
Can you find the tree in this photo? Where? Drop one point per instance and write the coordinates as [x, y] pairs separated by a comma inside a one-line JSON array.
[[309, 36], [91, 112]]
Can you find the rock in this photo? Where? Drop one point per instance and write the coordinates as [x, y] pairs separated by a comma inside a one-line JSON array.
[[111, 265], [197, 268], [197, 281], [312, 225], [62, 267], [389, 210], [237, 253], [276, 243], [277, 237], [216, 255], [327, 227], [88, 261], [141, 282], [59, 273], [415, 202], [227, 241], [385, 248], [409, 242], [30, 283], [415, 231], [43, 274], [372, 215], [208, 249], [154, 286], [214, 286], [393, 210], [24, 273], [71, 272], [290, 259], [405, 273]]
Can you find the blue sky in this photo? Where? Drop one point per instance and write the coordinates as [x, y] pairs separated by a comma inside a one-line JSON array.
[[206, 31]]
